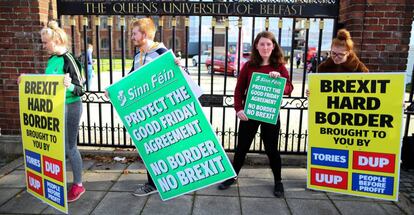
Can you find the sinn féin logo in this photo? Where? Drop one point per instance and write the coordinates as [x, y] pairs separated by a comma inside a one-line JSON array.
[[122, 98]]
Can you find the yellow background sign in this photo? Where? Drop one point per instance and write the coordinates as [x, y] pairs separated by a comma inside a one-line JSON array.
[[355, 123], [42, 110]]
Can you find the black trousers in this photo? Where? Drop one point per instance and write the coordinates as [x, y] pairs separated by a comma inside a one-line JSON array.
[[150, 181], [269, 134]]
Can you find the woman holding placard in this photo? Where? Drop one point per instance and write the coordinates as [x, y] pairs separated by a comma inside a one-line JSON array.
[[343, 57], [267, 57], [61, 61]]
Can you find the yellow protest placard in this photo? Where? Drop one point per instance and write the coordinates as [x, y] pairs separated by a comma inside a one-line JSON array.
[[42, 119], [355, 123]]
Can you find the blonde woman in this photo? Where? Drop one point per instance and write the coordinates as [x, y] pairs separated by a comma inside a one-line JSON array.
[[55, 42]]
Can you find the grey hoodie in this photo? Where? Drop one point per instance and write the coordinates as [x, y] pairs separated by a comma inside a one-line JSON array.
[[142, 58]]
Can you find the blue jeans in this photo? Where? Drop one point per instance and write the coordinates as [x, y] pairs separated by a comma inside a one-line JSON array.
[[90, 75]]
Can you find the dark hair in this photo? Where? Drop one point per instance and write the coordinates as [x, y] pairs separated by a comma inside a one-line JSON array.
[[276, 58]]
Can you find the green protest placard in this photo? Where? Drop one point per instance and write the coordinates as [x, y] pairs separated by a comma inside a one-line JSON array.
[[169, 129], [264, 98]]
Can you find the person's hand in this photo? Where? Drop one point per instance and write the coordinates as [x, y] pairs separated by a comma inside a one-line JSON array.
[[307, 93], [274, 74], [106, 94], [177, 61], [242, 116], [19, 79], [67, 81]]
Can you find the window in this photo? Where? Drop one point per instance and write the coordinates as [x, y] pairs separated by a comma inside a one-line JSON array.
[[156, 20], [178, 18], [177, 43], [167, 22], [104, 22], [118, 23], [120, 44], [89, 27], [104, 43]]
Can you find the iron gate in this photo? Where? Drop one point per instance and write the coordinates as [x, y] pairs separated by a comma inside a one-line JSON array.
[[180, 23]]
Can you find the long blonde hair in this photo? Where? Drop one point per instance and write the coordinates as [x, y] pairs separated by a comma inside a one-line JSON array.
[[55, 33]]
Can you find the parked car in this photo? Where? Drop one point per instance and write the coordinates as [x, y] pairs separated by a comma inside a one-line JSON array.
[[203, 58], [231, 64]]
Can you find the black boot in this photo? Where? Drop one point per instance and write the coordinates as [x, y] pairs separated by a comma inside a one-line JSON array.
[[226, 184], [279, 192]]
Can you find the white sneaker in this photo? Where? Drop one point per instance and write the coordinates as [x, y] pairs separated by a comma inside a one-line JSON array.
[[144, 190]]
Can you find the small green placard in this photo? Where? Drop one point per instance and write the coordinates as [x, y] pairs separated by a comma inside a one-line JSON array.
[[169, 129], [264, 98]]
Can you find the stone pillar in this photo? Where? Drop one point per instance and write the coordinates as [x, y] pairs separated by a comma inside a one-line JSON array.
[[20, 52], [380, 30]]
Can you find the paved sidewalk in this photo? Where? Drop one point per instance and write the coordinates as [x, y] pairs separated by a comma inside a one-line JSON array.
[[109, 186]]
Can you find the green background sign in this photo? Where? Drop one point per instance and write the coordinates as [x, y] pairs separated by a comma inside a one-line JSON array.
[[264, 98], [169, 129]]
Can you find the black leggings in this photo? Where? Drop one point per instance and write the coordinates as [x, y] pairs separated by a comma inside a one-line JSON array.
[[269, 134], [150, 181]]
